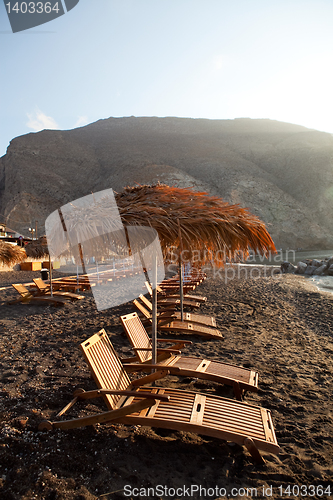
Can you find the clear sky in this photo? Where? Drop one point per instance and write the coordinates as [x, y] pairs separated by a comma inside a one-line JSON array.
[[218, 59]]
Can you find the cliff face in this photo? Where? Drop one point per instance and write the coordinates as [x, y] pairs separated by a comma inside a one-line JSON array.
[[283, 173]]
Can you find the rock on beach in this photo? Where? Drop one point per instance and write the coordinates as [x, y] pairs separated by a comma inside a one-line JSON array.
[[310, 267]]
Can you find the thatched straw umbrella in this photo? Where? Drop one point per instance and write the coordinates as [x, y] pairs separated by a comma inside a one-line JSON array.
[[204, 226], [11, 254], [37, 249], [209, 226]]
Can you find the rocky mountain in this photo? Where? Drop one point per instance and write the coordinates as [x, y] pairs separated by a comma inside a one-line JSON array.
[[282, 172]]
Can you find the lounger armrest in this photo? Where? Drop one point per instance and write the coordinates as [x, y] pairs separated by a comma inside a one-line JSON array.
[[152, 377], [97, 393], [132, 359], [152, 366], [175, 351], [175, 342], [166, 314]]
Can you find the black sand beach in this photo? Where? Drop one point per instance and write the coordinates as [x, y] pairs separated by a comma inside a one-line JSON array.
[[280, 326]]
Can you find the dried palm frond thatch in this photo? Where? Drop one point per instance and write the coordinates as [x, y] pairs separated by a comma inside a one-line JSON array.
[[209, 226], [37, 249], [205, 221], [11, 254]]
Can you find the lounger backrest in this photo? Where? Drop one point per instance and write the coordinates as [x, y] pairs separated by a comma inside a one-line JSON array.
[[41, 285], [146, 302], [150, 290], [105, 366], [142, 309], [22, 290], [137, 335]]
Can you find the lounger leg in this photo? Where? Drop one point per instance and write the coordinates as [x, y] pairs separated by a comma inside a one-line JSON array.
[[238, 390], [104, 417], [251, 447]]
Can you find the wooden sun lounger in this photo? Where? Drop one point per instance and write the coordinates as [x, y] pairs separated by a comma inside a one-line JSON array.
[[169, 287], [175, 286], [174, 302], [83, 283], [45, 290], [169, 315], [241, 379], [162, 304], [43, 287], [71, 284], [130, 403], [67, 287], [170, 297], [176, 325], [73, 279], [26, 297], [173, 294], [187, 280]]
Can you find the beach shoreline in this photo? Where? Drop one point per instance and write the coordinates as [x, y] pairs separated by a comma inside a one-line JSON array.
[[279, 325]]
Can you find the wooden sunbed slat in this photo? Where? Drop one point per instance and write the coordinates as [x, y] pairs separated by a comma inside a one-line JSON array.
[[198, 319]]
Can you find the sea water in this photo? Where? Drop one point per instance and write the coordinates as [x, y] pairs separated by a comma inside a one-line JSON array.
[[323, 283]]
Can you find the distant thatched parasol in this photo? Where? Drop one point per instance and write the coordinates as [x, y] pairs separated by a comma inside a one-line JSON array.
[[37, 249], [11, 254]]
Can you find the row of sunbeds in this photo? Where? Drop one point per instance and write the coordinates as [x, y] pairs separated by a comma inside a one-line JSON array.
[[134, 402], [41, 292]]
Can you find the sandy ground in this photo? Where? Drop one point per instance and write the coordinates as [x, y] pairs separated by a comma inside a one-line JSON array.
[[280, 326]]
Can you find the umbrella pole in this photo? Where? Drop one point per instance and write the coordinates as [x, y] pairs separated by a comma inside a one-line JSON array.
[[154, 316], [82, 259], [181, 291], [50, 268], [143, 265]]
